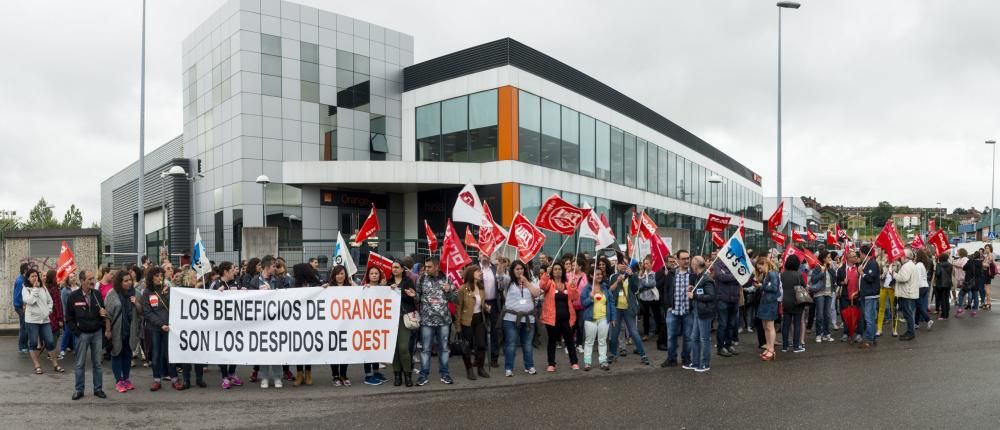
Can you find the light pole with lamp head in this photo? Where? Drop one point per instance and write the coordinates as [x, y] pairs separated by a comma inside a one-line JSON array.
[[782, 5], [993, 183], [263, 180]]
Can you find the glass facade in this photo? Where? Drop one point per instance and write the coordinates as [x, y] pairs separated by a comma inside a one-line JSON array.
[[462, 129]]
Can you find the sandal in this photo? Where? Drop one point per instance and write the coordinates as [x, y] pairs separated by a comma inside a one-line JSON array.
[[38, 371], [59, 369]]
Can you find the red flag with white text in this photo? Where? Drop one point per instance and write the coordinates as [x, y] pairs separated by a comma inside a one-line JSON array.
[[633, 228], [831, 239], [491, 235], [66, 264], [810, 235], [659, 251], [369, 228], [432, 240], [470, 240], [646, 226], [796, 238], [778, 237], [717, 223], [917, 243], [382, 263], [453, 255], [718, 240], [524, 236], [939, 240], [774, 221], [890, 242], [559, 216]]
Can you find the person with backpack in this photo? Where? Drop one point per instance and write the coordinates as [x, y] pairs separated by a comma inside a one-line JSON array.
[[942, 286], [791, 319]]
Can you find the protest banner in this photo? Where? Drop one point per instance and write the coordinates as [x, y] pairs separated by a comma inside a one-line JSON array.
[[287, 326]]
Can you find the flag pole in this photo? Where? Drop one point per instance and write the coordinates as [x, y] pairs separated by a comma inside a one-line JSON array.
[[577, 245], [561, 247]]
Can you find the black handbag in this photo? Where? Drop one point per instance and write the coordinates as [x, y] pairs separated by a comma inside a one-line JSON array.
[[457, 344]]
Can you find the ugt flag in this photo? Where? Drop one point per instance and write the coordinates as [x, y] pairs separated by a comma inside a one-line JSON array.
[[734, 255], [491, 235], [559, 216], [200, 261], [468, 208], [342, 256], [66, 264], [594, 228]]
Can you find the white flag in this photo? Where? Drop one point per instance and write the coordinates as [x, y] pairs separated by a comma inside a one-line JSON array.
[[734, 255], [468, 207], [200, 262], [593, 228], [342, 256]]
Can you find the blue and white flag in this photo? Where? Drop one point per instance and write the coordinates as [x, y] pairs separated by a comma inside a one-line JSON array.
[[199, 261], [342, 256], [734, 255]]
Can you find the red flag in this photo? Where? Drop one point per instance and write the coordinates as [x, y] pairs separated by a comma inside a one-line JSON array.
[[66, 264], [741, 229], [931, 224], [470, 240], [775, 220], [808, 257], [778, 237], [789, 251], [841, 234], [527, 238], [716, 223], [718, 240], [659, 251], [384, 264], [369, 228], [888, 239], [796, 238], [491, 236], [646, 226], [917, 243], [432, 240], [633, 228], [810, 235], [940, 242], [847, 251], [453, 255], [831, 239], [559, 216]]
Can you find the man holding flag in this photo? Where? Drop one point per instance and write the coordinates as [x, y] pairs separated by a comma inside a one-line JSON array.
[[731, 270]]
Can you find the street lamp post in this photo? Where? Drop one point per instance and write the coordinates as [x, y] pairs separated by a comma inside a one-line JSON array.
[[781, 5], [993, 183], [263, 180]]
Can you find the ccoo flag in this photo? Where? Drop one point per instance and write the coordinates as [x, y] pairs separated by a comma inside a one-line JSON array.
[[342, 256], [66, 264], [734, 255], [200, 261]]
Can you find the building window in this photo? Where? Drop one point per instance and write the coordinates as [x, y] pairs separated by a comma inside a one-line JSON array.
[[429, 132], [640, 164], [270, 65], [651, 171], [570, 140], [617, 154], [529, 121], [531, 200], [454, 127], [483, 126], [237, 229], [353, 81], [376, 138], [270, 44], [603, 134], [328, 130], [674, 177], [551, 125], [220, 237], [663, 172], [629, 157], [587, 148]]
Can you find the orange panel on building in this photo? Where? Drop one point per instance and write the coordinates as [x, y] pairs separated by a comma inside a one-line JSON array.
[[510, 195], [507, 123]]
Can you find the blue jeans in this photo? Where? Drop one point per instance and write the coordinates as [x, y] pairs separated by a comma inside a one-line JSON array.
[[626, 317], [922, 303], [788, 320], [43, 331], [701, 341], [427, 336], [729, 316], [679, 325], [121, 364], [91, 341], [514, 333], [67, 340], [871, 314], [822, 311], [973, 301], [22, 332], [161, 366], [908, 306]]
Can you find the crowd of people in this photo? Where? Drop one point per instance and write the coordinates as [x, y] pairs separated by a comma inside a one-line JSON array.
[[576, 303]]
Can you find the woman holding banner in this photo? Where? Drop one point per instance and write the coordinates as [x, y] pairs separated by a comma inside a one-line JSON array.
[[402, 359], [156, 311], [339, 278], [227, 281], [470, 320], [373, 276]]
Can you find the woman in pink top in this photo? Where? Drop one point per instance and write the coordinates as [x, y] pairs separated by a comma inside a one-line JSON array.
[[558, 313], [105, 286]]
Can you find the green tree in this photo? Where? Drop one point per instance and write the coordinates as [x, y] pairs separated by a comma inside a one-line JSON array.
[[9, 223], [73, 218], [881, 214], [41, 217]]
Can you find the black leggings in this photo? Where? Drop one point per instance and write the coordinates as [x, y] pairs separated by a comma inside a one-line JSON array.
[[475, 334], [339, 370], [299, 367], [227, 369], [561, 330], [199, 371], [645, 308], [941, 297]]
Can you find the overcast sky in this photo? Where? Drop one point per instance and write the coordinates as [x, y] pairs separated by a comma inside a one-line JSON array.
[[886, 100]]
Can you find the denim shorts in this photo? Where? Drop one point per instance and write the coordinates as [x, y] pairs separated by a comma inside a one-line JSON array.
[[44, 331]]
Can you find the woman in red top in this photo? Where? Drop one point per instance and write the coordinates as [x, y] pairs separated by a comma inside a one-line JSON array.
[[558, 313], [56, 317]]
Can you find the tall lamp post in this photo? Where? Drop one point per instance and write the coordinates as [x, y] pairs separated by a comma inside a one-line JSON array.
[[782, 5], [263, 180], [993, 183]]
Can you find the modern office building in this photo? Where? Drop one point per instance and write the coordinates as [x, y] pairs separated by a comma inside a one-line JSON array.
[[334, 112]]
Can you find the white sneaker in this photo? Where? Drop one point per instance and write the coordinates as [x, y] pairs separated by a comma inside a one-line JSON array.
[[62, 355], [263, 383], [819, 339], [579, 349], [277, 383], [930, 324], [749, 330], [530, 371], [508, 373], [740, 330], [828, 338]]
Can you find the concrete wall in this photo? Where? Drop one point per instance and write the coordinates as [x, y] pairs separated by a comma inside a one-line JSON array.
[[16, 250], [259, 241]]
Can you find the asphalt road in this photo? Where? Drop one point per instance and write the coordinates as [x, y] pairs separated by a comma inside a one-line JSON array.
[[946, 378]]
